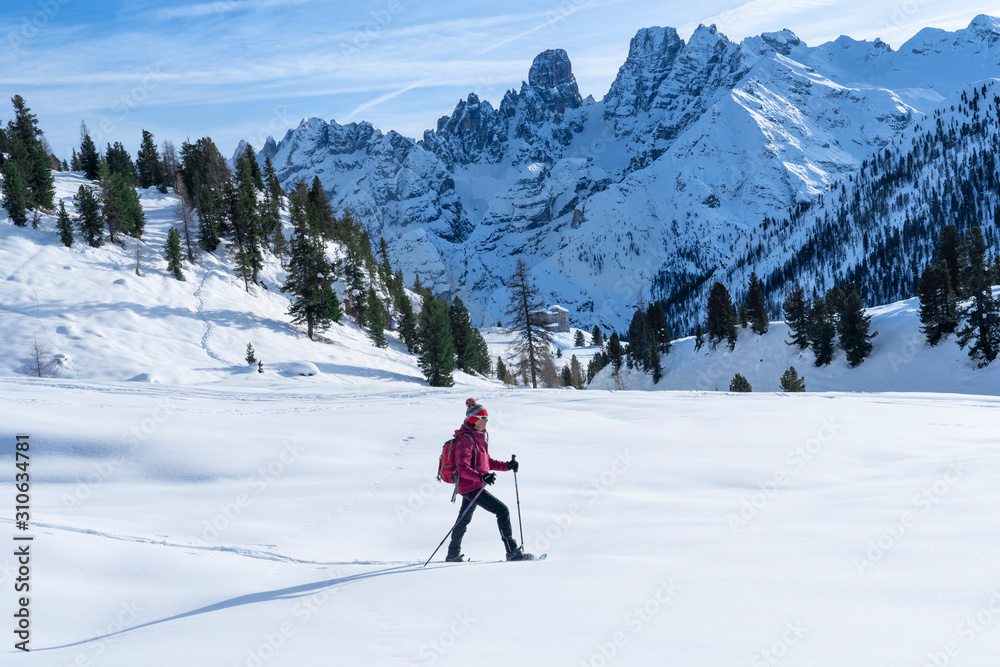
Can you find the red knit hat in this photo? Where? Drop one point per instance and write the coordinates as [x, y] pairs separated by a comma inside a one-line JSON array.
[[474, 411]]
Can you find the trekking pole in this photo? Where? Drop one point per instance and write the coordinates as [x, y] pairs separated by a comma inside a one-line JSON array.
[[460, 516], [518, 495]]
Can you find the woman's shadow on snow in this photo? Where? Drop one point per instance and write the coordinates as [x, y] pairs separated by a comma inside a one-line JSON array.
[[253, 598]]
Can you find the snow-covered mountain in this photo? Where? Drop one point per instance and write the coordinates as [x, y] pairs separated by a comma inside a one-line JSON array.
[[666, 180]]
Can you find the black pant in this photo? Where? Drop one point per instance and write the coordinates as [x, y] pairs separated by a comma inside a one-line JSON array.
[[489, 503]]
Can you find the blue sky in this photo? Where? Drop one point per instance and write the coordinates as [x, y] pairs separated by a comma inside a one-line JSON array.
[[233, 69]]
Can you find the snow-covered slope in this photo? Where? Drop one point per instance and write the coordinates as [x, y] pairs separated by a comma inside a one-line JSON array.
[[663, 182], [286, 524], [901, 360], [91, 311]]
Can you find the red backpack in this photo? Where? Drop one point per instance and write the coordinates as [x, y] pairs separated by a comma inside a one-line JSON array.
[[447, 467]]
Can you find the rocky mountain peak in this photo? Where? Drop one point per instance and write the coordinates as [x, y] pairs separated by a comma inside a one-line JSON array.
[[782, 41], [651, 56], [551, 75], [984, 23]]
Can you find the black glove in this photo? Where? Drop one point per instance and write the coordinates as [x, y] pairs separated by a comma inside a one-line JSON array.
[[512, 464], [488, 478]]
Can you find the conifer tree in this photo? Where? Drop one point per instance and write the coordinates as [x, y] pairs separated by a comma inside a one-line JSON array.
[[384, 265], [951, 248], [566, 376], [657, 324], [980, 317], [120, 204], [638, 341], [578, 340], [120, 162], [466, 351], [615, 351], [437, 350], [251, 357], [740, 384], [938, 302], [797, 317], [244, 217], [174, 254], [721, 319], [482, 364], [532, 342], [88, 212], [65, 225], [597, 363], [206, 176], [791, 382], [309, 279], [835, 304], [596, 337], [15, 194], [407, 320], [854, 324], [375, 316], [270, 209], [699, 337], [325, 222], [654, 364], [575, 373], [757, 306], [501, 369], [90, 161], [148, 165], [25, 145], [821, 331]]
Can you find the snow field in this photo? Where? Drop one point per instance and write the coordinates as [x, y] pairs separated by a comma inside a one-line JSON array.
[[248, 526]]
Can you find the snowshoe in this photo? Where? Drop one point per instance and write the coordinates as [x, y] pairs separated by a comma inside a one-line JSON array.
[[519, 554]]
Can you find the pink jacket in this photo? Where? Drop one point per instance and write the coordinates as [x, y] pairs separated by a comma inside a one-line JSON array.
[[473, 450]]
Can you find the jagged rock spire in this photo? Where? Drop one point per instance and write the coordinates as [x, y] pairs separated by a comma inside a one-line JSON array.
[[551, 75]]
